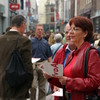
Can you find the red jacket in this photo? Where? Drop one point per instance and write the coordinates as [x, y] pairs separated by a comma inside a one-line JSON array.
[[78, 84], [59, 58]]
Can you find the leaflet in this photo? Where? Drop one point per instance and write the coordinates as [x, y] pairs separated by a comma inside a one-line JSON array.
[[35, 60], [58, 93], [52, 69]]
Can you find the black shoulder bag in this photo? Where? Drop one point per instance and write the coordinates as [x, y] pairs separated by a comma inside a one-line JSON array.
[[95, 93], [16, 71]]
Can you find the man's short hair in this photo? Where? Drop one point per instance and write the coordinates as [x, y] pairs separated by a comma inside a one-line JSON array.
[[38, 25], [58, 37], [18, 20]]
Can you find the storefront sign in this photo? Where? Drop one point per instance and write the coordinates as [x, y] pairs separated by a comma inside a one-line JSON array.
[[2, 8], [31, 18], [29, 14], [14, 6], [28, 4], [57, 16]]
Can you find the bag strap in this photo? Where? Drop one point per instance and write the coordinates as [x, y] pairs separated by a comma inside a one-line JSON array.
[[17, 41], [86, 60], [56, 50]]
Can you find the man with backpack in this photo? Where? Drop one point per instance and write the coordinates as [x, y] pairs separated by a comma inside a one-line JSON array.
[[7, 45]]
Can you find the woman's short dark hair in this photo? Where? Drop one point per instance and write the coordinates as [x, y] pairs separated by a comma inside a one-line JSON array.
[[8, 28], [85, 24], [18, 20]]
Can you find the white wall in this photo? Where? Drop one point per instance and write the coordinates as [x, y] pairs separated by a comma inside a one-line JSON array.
[[61, 13], [5, 3], [41, 10], [4, 18]]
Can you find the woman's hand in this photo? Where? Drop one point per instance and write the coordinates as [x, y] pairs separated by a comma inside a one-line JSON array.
[[55, 88], [62, 80], [46, 75]]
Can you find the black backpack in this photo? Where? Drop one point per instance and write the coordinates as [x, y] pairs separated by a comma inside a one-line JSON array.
[[16, 71]]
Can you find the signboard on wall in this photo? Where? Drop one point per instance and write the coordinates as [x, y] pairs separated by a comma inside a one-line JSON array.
[[57, 16], [14, 6], [28, 4], [2, 8]]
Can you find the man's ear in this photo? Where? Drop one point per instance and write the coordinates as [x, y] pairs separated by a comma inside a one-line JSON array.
[[23, 24]]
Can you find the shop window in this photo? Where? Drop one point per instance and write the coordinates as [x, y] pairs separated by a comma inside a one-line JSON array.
[[52, 18], [52, 9]]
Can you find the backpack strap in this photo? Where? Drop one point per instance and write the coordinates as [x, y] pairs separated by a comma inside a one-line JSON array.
[[17, 41], [56, 50], [86, 60], [95, 92]]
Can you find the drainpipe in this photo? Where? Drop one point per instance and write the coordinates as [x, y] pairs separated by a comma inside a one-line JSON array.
[[75, 7]]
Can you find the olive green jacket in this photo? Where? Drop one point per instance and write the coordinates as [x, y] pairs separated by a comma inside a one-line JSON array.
[[7, 45]]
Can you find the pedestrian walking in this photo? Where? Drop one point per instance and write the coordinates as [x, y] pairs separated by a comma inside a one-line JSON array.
[[7, 45], [51, 40], [40, 49], [55, 47]]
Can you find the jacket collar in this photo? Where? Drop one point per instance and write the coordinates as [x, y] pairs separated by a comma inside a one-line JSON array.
[[64, 47], [85, 44], [76, 51], [12, 33]]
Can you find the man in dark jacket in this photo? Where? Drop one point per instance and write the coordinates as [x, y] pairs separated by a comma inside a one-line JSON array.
[[7, 45]]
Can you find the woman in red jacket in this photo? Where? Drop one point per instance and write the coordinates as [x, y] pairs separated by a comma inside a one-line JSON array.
[[73, 80]]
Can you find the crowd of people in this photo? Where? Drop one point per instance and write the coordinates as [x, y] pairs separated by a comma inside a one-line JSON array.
[[66, 48]]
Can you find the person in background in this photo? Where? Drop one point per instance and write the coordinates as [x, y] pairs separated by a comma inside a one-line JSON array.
[[81, 32], [98, 48], [40, 49], [32, 35], [61, 55], [8, 28], [97, 39], [7, 45], [3, 33], [64, 40], [28, 34], [51, 40], [62, 34], [55, 47]]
